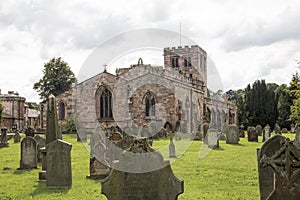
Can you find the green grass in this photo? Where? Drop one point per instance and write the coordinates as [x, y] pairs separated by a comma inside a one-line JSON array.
[[226, 173]]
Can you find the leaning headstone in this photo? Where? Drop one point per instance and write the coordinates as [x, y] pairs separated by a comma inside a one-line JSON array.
[[232, 134], [59, 172], [17, 137], [28, 153], [252, 134], [277, 129], [212, 138], [278, 169], [3, 142], [266, 133], [140, 174], [172, 152], [258, 129]]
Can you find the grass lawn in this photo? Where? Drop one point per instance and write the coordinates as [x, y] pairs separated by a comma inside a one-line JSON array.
[[226, 173]]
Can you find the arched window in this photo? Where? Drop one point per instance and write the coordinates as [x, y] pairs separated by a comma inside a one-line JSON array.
[[105, 104], [62, 112], [150, 104]]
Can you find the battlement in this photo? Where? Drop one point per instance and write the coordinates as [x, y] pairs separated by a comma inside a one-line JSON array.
[[195, 48]]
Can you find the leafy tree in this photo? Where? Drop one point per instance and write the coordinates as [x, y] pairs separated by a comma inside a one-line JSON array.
[[70, 126], [261, 103], [283, 106], [238, 98], [294, 91], [57, 78]]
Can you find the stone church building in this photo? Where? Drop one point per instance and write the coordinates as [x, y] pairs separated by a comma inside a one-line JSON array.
[[145, 95]]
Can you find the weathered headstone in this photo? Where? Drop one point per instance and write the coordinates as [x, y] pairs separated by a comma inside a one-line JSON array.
[[147, 176], [17, 137], [292, 128], [266, 133], [252, 134], [241, 133], [28, 153], [284, 130], [212, 138], [277, 129], [205, 130], [99, 163], [232, 134], [41, 143], [258, 129], [30, 132], [59, 171], [51, 133], [278, 169], [172, 152], [3, 142]]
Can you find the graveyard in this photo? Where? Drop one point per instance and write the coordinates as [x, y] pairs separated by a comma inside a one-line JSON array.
[[229, 172]]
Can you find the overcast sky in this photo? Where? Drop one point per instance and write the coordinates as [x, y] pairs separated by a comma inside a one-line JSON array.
[[246, 41]]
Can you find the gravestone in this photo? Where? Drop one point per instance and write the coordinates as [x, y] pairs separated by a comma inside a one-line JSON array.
[[17, 137], [99, 163], [51, 133], [232, 134], [212, 138], [284, 130], [59, 171], [277, 129], [241, 133], [205, 130], [258, 129], [278, 169], [41, 143], [172, 152], [266, 133], [30, 132], [28, 153], [3, 142], [252, 134], [292, 128], [147, 176]]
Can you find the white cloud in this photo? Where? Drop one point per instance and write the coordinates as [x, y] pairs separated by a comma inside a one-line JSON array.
[[247, 40]]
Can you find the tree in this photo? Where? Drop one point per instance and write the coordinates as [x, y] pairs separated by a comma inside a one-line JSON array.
[[283, 106], [70, 126], [57, 78], [294, 91], [261, 103], [238, 98]]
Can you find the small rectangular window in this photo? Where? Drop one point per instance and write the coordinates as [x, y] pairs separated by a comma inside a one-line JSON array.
[[175, 62]]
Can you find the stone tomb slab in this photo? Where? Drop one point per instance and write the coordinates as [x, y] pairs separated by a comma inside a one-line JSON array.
[[28, 153], [141, 174], [59, 172]]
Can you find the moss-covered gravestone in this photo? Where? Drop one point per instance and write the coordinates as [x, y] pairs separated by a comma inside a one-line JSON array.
[[28, 153], [232, 134], [279, 169], [141, 173], [59, 171]]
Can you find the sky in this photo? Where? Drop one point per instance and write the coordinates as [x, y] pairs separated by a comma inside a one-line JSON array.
[[246, 40]]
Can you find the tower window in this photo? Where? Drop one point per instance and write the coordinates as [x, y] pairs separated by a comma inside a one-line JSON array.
[[175, 62], [187, 62]]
